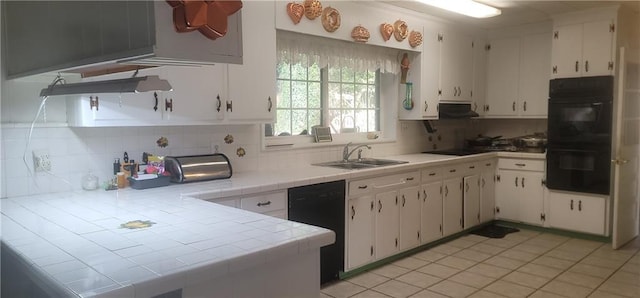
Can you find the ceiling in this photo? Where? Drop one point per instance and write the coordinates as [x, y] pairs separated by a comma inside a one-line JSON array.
[[516, 12]]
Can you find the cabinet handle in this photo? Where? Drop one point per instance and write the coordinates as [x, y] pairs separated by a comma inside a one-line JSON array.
[[424, 193], [498, 178], [168, 104], [362, 186], [440, 229], [487, 164], [372, 250], [543, 217], [380, 206], [472, 167], [497, 210], [426, 106], [571, 205], [371, 205], [446, 191], [404, 200], [229, 105], [516, 181], [466, 187], [353, 212], [580, 205], [396, 242], [270, 104], [432, 174], [586, 66], [521, 164], [155, 97], [94, 103], [452, 171], [522, 182], [418, 235], [267, 203], [513, 107], [525, 106], [219, 103], [577, 65], [410, 178]]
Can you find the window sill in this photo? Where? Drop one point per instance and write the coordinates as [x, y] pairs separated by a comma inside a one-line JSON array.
[[304, 142]]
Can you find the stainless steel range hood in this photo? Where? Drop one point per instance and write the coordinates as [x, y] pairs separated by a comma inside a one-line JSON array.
[[135, 84]]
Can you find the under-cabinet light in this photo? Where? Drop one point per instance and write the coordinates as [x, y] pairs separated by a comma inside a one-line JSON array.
[[129, 85], [465, 7]]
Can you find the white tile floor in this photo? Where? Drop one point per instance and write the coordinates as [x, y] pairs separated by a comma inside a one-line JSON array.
[[523, 264]]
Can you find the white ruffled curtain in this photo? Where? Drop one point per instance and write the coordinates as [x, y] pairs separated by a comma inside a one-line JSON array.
[[295, 48]]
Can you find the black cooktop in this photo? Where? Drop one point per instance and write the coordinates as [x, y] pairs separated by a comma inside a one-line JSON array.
[[457, 152], [470, 151]]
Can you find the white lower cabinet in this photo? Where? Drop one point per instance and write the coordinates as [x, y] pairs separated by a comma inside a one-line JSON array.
[[360, 231], [387, 221], [269, 203], [487, 191], [410, 204], [374, 227], [452, 206], [471, 203], [578, 212], [431, 220], [520, 191]]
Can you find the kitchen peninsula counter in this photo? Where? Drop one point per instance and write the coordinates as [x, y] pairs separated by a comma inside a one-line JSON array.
[[76, 243]]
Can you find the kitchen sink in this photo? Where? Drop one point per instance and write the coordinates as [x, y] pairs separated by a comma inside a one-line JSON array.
[[365, 163]]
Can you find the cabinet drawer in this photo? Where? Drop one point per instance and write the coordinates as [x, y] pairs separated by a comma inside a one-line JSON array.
[[432, 174], [364, 186], [521, 164], [454, 170], [265, 203]]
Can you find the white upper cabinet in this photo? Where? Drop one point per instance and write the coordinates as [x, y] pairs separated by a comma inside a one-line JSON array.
[[518, 81], [456, 64], [193, 100], [583, 49], [252, 85]]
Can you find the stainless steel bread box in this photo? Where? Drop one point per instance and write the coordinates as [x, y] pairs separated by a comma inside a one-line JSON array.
[[198, 167]]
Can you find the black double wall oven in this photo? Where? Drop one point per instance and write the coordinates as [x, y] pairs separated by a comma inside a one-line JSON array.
[[579, 134]]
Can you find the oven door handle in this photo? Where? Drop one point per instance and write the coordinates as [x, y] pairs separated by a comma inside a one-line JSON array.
[[619, 162]]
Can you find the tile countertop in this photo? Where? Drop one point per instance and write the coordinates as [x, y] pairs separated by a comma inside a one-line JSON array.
[[74, 243]]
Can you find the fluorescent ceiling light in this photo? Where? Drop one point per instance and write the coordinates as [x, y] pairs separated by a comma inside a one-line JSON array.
[[465, 7], [129, 85]]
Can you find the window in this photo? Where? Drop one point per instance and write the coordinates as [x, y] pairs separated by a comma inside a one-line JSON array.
[[327, 82], [341, 98]]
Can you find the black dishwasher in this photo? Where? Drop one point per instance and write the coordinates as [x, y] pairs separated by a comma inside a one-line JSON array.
[[322, 205]]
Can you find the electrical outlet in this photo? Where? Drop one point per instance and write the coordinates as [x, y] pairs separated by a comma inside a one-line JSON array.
[[41, 161]]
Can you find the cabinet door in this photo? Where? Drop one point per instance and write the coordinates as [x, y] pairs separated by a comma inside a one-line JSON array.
[[503, 74], [533, 90], [431, 219], [452, 206], [471, 202], [479, 77], [409, 217], [252, 85], [507, 195], [577, 212], [430, 74], [456, 60], [566, 54], [597, 44], [359, 231], [197, 94], [124, 108], [387, 221], [531, 193], [487, 196]]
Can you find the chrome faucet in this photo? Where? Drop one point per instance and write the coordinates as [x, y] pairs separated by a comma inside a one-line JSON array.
[[346, 153]]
